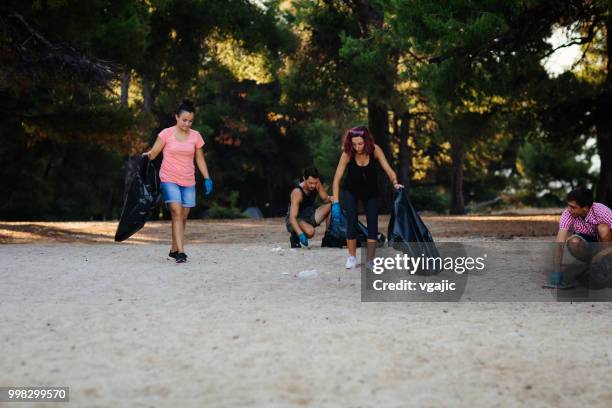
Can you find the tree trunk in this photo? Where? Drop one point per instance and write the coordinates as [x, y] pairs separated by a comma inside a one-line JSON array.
[[126, 77], [378, 122], [604, 128], [604, 147], [405, 154], [147, 95], [458, 157]]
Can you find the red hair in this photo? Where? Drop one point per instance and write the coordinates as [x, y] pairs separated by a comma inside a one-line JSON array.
[[358, 131]]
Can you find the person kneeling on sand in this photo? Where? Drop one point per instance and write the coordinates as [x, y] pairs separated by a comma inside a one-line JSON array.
[[589, 222], [302, 216]]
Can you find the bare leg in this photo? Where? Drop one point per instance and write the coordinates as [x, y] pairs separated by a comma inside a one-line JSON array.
[[579, 248], [352, 246], [307, 228], [185, 215], [176, 210], [173, 247], [371, 249], [323, 213]]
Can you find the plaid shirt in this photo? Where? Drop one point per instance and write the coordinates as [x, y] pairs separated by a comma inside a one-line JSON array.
[[598, 214]]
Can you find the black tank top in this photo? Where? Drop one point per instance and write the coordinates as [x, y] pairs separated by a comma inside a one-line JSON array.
[[307, 203], [362, 180]]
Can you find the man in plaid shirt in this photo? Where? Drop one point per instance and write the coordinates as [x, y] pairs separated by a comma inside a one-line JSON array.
[[588, 222]]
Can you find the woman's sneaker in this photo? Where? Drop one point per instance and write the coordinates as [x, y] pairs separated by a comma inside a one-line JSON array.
[[351, 262], [181, 257], [173, 254]]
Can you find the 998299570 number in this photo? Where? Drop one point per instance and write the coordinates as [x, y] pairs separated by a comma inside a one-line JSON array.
[[31, 394]]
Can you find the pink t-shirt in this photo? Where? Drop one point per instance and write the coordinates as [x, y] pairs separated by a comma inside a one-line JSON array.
[[177, 165], [598, 214]]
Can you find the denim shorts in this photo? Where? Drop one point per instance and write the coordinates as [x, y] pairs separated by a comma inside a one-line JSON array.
[[173, 193]]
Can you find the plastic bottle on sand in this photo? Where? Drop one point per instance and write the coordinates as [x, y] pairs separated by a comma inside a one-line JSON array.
[[311, 273]]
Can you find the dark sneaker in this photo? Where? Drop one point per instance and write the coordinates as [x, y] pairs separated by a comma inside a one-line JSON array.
[[295, 241], [172, 255], [181, 257]]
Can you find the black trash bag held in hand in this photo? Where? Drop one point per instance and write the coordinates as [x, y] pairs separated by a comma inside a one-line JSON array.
[[141, 197], [335, 234], [407, 232], [362, 235]]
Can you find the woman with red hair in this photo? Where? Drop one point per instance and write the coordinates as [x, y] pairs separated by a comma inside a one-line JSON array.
[[360, 160]]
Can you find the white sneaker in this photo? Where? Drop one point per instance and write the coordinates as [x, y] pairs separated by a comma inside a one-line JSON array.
[[351, 262]]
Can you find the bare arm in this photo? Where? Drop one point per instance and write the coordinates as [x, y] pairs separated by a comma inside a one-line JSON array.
[[378, 153], [201, 162], [296, 199], [158, 146], [560, 245], [323, 193], [344, 159], [604, 232]]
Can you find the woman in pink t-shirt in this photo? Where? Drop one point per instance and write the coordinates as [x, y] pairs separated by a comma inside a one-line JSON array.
[[180, 144]]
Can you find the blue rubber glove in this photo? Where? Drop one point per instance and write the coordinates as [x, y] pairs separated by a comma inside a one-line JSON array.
[[303, 239], [555, 278], [208, 186], [336, 211]]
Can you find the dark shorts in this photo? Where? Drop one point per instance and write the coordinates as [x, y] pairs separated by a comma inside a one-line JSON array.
[[587, 237], [307, 215]]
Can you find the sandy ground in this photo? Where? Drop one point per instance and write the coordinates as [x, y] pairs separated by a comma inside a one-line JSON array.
[[122, 326]]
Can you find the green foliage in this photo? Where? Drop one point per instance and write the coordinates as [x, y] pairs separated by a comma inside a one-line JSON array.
[[64, 135], [531, 198], [545, 167], [58, 181], [369, 59], [326, 63], [251, 147], [430, 199], [217, 211], [325, 145]]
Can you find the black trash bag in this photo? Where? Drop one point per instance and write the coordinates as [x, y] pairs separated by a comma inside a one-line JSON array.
[[362, 235], [141, 197], [407, 231], [598, 275], [335, 235]]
